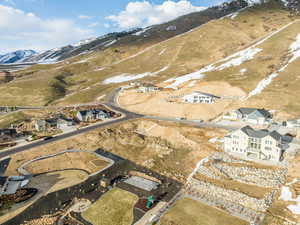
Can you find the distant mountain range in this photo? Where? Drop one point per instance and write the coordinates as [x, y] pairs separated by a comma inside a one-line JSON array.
[[156, 33], [17, 56]]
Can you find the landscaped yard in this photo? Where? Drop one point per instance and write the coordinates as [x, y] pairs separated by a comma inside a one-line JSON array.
[[113, 208], [190, 212]]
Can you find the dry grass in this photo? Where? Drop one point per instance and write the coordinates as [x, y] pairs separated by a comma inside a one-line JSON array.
[[76, 160], [183, 54], [191, 212], [113, 208], [7, 119]]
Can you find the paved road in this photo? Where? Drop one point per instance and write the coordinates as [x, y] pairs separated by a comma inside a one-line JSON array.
[[194, 123], [110, 102], [67, 135]]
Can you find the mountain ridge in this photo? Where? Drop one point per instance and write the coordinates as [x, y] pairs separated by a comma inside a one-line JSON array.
[[152, 34]]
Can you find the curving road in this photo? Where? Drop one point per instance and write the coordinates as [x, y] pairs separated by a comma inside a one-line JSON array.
[[126, 115]]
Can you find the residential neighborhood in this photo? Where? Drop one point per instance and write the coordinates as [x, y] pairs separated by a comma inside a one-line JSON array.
[[150, 112], [56, 123]]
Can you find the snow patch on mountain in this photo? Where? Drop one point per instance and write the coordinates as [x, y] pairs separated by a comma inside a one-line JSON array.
[[128, 77], [17, 56], [235, 59], [294, 50], [142, 31], [262, 85], [124, 78], [84, 42], [109, 43], [239, 58]]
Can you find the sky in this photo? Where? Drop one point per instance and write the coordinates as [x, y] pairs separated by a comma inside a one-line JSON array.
[[45, 24]]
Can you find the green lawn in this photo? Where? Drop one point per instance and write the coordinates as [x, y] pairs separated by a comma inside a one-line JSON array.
[[113, 208], [190, 212]]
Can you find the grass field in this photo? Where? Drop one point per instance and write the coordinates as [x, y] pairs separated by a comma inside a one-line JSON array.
[[190, 212], [113, 208]]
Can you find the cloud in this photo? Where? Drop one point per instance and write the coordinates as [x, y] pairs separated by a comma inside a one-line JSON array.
[[93, 24], [84, 17], [21, 30], [106, 25], [142, 14]]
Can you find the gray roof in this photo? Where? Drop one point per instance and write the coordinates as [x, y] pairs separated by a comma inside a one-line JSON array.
[[249, 131], [207, 94], [247, 111], [3, 180]]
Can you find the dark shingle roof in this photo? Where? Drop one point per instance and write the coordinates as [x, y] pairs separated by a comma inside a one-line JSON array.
[[261, 133], [3, 180], [207, 94], [247, 111]]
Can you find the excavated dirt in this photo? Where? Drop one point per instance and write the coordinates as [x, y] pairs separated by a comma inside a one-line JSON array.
[[167, 148], [168, 103]]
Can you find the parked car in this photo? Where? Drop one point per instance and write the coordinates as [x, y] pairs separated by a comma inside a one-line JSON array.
[[48, 138]]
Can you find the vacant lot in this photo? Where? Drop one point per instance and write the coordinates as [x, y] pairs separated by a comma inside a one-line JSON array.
[[168, 103], [113, 208], [167, 148], [190, 212], [71, 160]]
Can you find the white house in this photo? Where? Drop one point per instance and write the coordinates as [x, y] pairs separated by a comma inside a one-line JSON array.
[[200, 97], [145, 88], [250, 115], [91, 115], [255, 144]]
